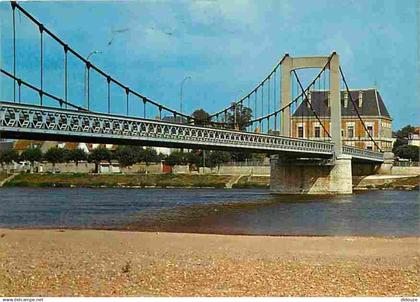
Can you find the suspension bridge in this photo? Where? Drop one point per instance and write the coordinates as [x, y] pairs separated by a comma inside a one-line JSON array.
[[259, 121]]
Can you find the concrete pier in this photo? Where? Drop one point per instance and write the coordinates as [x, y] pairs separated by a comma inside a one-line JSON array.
[[298, 176]]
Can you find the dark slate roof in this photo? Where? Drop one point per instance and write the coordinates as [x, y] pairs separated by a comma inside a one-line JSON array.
[[372, 104]]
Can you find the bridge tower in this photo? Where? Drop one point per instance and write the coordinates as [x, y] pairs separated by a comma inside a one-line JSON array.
[[292, 175], [332, 63]]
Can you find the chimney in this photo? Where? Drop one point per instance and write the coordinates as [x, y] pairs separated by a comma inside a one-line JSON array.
[[328, 99], [360, 98], [346, 99], [309, 99]]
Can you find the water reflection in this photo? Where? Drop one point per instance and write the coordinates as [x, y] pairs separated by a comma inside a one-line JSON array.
[[389, 213]]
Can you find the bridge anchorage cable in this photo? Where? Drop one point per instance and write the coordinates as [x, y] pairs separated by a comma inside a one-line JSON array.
[[357, 111], [309, 103]]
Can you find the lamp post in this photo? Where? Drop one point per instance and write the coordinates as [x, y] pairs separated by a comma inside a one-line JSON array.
[[85, 78], [181, 90]]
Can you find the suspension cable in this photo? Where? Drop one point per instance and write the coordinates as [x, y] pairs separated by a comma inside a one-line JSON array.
[[81, 58], [253, 90], [357, 111], [61, 101], [296, 98]]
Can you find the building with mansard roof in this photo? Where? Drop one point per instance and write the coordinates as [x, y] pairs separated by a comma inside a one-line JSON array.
[[368, 103]]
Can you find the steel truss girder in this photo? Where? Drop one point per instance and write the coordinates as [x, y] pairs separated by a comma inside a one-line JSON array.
[[63, 122]]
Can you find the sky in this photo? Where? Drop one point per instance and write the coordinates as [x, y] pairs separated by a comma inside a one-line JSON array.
[[225, 46]]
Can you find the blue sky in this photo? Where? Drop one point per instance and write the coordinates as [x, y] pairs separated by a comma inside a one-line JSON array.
[[226, 47]]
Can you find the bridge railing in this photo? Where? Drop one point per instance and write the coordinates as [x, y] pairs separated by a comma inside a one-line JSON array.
[[69, 123], [363, 153]]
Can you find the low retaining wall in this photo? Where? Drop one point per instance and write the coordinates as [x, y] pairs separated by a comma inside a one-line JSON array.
[[396, 170], [238, 170]]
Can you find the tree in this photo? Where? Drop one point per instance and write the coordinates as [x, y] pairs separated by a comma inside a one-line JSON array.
[[126, 155], [201, 117], [216, 158], [99, 154], [239, 116], [148, 155], [407, 152], [402, 136], [194, 158], [54, 155], [32, 155], [176, 158], [8, 156], [77, 155]]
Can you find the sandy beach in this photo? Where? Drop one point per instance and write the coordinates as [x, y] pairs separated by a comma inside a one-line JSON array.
[[115, 263]]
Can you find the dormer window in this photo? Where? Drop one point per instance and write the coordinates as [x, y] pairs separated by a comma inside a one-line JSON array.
[[346, 99], [360, 99]]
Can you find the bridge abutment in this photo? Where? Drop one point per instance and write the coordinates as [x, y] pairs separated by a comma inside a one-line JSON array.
[[388, 163], [297, 176]]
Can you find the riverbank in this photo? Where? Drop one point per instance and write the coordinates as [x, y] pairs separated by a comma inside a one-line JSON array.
[[114, 263], [136, 180], [87, 180]]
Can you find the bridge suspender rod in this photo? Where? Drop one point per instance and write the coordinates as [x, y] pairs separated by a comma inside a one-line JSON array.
[[310, 105], [294, 100], [65, 74], [275, 100], [357, 111], [61, 101], [19, 90], [253, 90], [127, 91], [262, 103], [41, 58], [108, 80], [80, 57], [14, 49]]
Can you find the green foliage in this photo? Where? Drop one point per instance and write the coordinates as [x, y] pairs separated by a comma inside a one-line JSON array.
[[239, 116], [201, 117], [402, 137], [216, 158], [8, 156], [195, 157], [407, 152], [32, 155], [99, 154], [76, 155], [176, 158], [54, 155], [126, 155], [148, 155]]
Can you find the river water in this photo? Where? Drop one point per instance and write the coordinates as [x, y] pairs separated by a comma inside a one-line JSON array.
[[376, 213]]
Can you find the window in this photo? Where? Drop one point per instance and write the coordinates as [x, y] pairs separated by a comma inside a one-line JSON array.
[[369, 147], [350, 131], [300, 131], [317, 131], [370, 129]]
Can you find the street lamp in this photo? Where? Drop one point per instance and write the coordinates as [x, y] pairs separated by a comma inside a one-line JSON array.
[[94, 52], [180, 93]]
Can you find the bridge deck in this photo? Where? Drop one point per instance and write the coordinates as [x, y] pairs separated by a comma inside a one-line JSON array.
[[47, 123]]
